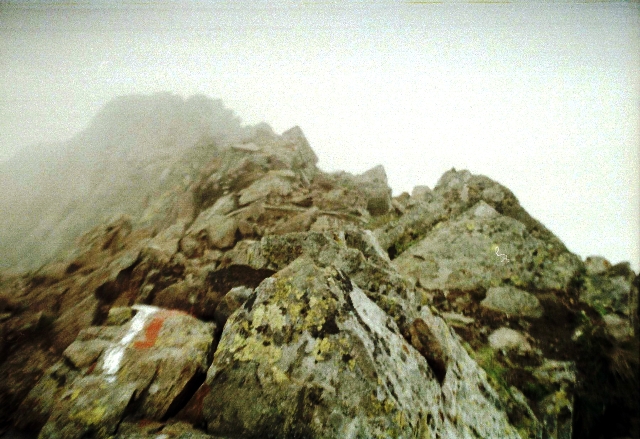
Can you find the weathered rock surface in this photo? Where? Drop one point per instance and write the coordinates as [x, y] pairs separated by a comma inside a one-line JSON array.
[[242, 292], [231, 301], [610, 289], [318, 358], [463, 254], [508, 339], [143, 368], [510, 300]]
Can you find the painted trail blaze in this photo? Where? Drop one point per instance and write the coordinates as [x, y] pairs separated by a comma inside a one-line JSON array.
[[151, 333], [153, 329]]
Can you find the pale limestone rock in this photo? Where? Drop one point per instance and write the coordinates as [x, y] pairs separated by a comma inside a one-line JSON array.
[[465, 247], [165, 244], [222, 206], [300, 222], [483, 210], [507, 339], [455, 319], [512, 301], [219, 230], [420, 191]]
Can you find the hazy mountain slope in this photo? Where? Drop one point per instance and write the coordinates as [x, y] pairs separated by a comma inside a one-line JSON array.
[[131, 149], [239, 291]]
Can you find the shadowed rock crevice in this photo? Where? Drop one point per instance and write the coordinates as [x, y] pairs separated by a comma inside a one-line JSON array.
[[186, 394], [108, 292], [224, 279], [419, 335]]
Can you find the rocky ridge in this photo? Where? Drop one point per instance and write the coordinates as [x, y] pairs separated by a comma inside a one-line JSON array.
[[262, 297]]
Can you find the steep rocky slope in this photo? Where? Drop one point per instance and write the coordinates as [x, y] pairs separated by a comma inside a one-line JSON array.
[[243, 292]]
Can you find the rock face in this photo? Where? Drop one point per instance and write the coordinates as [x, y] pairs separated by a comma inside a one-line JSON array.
[[243, 293], [142, 368], [317, 358]]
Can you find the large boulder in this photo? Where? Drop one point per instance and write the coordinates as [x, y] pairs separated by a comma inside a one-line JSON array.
[[610, 288], [373, 183], [507, 339], [272, 184], [217, 231], [317, 358], [145, 368], [465, 253]]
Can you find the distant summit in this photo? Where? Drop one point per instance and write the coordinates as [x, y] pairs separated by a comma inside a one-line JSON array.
[[52, 195], [140, 124]]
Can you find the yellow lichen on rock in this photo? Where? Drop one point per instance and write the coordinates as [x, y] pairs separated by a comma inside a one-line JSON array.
[[258, 316], [285, 292], [237, 343], [321, 349], [278, 375], [274, 317], [315, 317], [255, 350], [91, 416]]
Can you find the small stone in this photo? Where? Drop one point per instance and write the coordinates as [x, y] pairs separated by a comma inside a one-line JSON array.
[[271, 184], [617, 327], [297, 223], [119, 316], [456, 319], [165, 244], [511, 300], [222, 206], [483, 210], [508, 339], [556, 372], [596, 265], [220, 232]]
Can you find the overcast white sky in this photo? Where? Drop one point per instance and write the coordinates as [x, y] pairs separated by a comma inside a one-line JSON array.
[[542, 97]]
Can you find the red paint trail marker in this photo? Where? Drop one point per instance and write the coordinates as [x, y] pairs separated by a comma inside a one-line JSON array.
[[153, 329], [151, 333]]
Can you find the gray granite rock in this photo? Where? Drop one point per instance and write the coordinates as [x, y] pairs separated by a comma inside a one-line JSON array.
[[310, 328]]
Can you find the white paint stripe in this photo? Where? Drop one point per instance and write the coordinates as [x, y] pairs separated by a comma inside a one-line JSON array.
[[113, 355]]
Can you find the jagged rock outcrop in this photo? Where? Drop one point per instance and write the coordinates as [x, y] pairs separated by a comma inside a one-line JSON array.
[[250, 294], [317, 358]]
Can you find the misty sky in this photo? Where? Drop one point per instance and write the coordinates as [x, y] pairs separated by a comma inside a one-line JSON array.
[[542, 97]]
